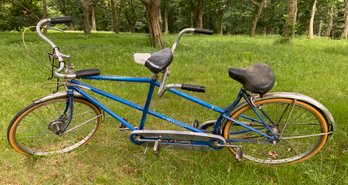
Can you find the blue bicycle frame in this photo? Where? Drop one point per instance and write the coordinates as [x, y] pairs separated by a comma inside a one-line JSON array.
[[77, 86]]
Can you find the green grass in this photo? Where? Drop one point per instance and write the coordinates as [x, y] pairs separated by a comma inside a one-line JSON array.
[[317, 68]]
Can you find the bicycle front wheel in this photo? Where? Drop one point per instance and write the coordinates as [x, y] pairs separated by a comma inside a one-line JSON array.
[[34, 130], [302, 130]]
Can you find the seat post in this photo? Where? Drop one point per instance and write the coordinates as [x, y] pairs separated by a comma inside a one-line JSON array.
[[164, 78], [154, 76]]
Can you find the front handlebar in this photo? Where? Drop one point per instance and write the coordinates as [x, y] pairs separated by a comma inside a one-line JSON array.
[[57, 53], [54, 20]]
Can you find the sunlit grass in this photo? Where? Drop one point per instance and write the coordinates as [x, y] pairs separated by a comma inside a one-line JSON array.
[[317, 68]]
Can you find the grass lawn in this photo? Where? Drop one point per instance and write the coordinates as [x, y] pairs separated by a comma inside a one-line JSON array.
[[317, 68]]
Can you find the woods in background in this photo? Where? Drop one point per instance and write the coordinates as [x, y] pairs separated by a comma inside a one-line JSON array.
[[253, 17]]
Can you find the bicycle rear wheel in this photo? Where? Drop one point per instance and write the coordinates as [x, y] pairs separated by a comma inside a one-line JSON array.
[[302, 129], [34, 130]]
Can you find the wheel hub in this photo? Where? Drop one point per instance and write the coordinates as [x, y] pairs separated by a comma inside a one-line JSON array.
[[276, 132], [55, 126]]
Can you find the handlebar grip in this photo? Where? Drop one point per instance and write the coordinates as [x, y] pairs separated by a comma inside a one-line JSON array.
[[87, 72], [60, 20], [203, 31], [194, 88]]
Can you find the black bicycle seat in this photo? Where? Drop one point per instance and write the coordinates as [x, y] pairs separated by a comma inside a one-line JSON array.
[[159, 60], [258, 78]]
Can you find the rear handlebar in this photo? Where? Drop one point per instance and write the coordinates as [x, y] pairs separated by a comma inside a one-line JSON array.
[[203, 31], [164, 87], [187, 30], [61, 20]]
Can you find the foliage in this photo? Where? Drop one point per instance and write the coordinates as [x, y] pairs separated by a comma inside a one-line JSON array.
[[236, 18], [133, 16], [21, 13]]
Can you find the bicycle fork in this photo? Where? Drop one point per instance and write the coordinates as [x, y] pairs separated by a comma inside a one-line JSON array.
[[59, 126]]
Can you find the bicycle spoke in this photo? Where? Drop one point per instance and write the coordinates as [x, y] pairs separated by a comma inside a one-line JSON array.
[[306, 136], [286, 122], [79, 115], [77, 126], [282, 114]]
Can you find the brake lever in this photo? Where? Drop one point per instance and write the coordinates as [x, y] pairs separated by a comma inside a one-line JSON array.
[[57, 29]]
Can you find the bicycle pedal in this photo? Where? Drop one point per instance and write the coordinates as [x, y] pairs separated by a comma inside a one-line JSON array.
[[195, 123], [239, 153], [157, 147], [123, 127]]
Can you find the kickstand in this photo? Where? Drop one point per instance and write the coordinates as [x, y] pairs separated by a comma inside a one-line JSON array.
[[157, 147], [142, 156], [145, 150], [239, 153]]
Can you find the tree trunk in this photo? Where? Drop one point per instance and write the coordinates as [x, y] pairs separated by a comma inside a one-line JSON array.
[[131, 23], [345, 31], [153, 17], [199, 14], [86, 15], [130, 14], [115, 17], [197, 7], [311, 20], [166, 31], [320, 28], [132, 27], [219, 18], [330, 24], [94, 25], [44, 13], [260, 7], [191, 19], [220, 15], [289, 27]]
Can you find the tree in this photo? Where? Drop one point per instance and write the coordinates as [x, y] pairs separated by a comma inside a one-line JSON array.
[[153, 17], [311, 21], [345, 30], [93, 21], [197, 7], [86, 15], [320, 26], [44, 9], [115, 17], [330, 20], [22, 13], [165, 7], [4, 12], [131, 12], [44, 13], [289, 27], [260, 6], [217, 10], [222, 16]]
